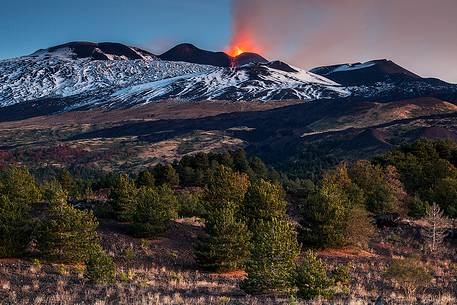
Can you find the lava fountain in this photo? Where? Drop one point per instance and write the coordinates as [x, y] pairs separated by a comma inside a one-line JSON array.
[[242, 43]]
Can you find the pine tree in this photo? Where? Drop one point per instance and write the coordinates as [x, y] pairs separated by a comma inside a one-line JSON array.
[[165, 174], [100, 267], [145, 179], [14, 227], [436, 230], [225, 186], [225, 246], [123, 197], [312, 278], [264, 201], [67, 234], [155, 207], [20, 186], [328, 215], [272, 262]]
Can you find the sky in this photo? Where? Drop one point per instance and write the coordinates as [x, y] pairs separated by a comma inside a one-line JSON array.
[[420, 35]]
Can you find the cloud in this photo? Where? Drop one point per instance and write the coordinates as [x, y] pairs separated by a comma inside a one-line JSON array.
[[417, 34]]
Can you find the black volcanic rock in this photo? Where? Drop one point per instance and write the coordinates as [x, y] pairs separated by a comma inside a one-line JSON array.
[[189, 53], [366, 73], [280, 65], [247, 58], [99, 51]]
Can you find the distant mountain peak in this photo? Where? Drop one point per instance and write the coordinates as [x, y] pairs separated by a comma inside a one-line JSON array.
[[97, 51], [187, 52], [369, 72]]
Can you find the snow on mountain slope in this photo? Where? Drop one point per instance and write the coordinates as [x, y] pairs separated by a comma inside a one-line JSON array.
[[58, 75], [250, 82], [71, 74]]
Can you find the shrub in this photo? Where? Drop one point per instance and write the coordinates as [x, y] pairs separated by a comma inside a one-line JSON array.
[[123, 197], [409, 274], [312, 278], [100, 268], [272, 262], [154, 208], [359, 227]]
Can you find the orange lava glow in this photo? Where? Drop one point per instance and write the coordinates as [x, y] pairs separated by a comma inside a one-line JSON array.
[[242, 43], [235, 51]]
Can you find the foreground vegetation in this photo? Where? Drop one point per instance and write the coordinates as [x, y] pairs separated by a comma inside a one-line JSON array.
[[377, 226]]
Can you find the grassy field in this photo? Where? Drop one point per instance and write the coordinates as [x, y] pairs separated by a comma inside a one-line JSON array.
[[163, 271]]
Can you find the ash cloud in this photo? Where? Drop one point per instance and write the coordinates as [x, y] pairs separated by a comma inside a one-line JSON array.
[[417, 34]]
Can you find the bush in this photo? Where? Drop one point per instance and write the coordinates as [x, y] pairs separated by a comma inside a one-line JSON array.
[[272, 262], [312, 278], [154, 208], [100, 268], [14, 227], [409, 274]]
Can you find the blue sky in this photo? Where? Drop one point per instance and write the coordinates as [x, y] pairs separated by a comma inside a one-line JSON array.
[[417, 34], [28, 25]]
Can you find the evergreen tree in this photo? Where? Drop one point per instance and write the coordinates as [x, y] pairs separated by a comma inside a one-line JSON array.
[[225, 246], [123, 198], [225, 187], [145, 179], [328, 215], [100, 267], [312, 278], [382, 188], [14, 227], [155, 207], [272, 262], [259, 168], [264, 201], [165, 174], [67, 234], [20, 186]]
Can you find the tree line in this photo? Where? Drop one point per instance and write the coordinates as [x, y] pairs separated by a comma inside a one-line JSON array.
[[243, 205]]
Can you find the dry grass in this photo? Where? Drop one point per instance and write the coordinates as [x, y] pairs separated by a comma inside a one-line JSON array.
[[163, 271]]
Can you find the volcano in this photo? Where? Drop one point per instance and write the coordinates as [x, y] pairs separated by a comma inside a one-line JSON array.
[[187, 52], [97, 51], [366, 73]]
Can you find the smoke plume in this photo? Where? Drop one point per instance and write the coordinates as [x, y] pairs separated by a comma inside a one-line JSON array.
[[417, 34]]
